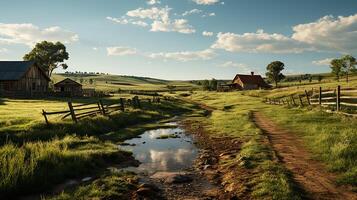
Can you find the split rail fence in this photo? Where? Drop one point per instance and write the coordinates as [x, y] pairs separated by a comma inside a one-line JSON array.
[[79, 111], [343, 101]]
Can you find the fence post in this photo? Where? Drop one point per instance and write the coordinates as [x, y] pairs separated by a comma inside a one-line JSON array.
[[122, 104], [73, 115], [320, 96], [301, 103], [45, 116], [307, 97], [100, 110], [102, 107], [338, 98], [292, 98], [287, 101]]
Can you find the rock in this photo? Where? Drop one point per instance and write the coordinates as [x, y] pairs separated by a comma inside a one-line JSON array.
[[148, 185], [144, 142], [173, 177], [86, 179], [144, 192], [207, 167]]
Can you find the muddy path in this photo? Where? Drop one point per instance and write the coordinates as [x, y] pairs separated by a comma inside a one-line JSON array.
[[174, 167], [310, 174]]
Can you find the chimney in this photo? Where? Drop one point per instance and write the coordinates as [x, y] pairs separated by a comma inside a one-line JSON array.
[[252, 73]]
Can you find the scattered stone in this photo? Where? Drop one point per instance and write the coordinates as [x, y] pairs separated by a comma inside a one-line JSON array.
[[207, 167], [173, 177], [144, 192], [144, 142], [86, 179]]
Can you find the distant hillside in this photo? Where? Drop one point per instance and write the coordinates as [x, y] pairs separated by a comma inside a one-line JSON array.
[[108, 82]]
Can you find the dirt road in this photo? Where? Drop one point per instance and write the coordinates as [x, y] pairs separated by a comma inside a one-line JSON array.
[[311, 175]]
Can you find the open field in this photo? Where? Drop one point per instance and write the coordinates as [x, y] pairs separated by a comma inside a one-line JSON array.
[[36, 157], [114, 83]]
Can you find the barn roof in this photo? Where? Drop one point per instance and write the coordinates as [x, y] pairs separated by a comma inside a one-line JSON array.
[[15, 70], [67, 81], [251, 79]]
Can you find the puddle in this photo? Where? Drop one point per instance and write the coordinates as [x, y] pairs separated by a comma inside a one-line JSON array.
[[171, 154]]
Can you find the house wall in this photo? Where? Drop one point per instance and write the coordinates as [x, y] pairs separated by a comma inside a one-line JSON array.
[[250, 86], [33, 82], [69, 88]]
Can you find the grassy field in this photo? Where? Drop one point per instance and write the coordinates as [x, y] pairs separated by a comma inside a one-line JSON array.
[[35, 157], [116, 82], [331, 138], [231, 117]]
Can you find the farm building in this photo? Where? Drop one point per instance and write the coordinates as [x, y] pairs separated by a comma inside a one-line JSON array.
[[68, 87], [22, 78], [249, 82]]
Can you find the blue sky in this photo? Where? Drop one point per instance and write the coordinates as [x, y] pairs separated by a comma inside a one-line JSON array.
[[158, 39]]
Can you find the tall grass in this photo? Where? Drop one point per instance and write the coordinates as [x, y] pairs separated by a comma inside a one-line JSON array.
[[36, 165], [332, 138], [232, 117]]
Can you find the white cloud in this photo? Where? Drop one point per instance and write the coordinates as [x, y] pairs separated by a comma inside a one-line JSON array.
[[3, 50], [124, 21], [121, 51], [185, 55], [207, 33], [30, 34], [179, 25], [95, 48], [323, 62], [121, 20], [193, 11], [161, 21], [153, 2], [206, 2], [259, 42], [329, 33], [153, 13], [234, 64]]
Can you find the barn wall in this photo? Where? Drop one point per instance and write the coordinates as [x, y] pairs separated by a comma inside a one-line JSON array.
[[33, 82]]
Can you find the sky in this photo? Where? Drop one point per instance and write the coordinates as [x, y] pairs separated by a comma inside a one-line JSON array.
[[183, 39]]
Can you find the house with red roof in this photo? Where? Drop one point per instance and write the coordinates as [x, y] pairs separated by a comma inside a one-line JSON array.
[[249, 82]]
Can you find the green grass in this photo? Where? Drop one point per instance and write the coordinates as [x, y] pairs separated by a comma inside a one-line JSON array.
[[331, 138], [232, 117], [115, 82], [118, 185], [34, 157], [43, 164]]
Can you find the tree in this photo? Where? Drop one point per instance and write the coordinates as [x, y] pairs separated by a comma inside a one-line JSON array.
[[205, 85], [336, 66], [319, 78], [90, 81], [274, 72], [213, 84], [48, 56], [348, 65]]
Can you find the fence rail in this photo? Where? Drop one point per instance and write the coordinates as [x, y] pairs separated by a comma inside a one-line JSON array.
[[79, 111], [335, 99]]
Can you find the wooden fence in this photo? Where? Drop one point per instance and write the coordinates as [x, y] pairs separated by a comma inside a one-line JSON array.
[[79, 111], [339, 100]]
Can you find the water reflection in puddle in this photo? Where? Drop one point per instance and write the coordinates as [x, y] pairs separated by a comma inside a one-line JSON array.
[[173, 154]]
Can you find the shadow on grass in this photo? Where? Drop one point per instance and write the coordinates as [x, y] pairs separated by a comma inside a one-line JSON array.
[[96, 126]]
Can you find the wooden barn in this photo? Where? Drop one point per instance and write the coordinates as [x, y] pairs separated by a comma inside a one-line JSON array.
[[22, 78], [68, 87], [249, 82]]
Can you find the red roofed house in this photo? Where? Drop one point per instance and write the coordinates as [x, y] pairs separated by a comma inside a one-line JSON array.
[[249, 82]]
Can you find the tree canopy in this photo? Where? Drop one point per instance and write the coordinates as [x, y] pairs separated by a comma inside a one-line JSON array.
[[48, 56], [274, 72], [343, 66]]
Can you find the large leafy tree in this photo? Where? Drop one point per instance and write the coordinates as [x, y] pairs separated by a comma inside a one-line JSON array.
[[274, 72], [349, 65], [49, 56], [337, 68]]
